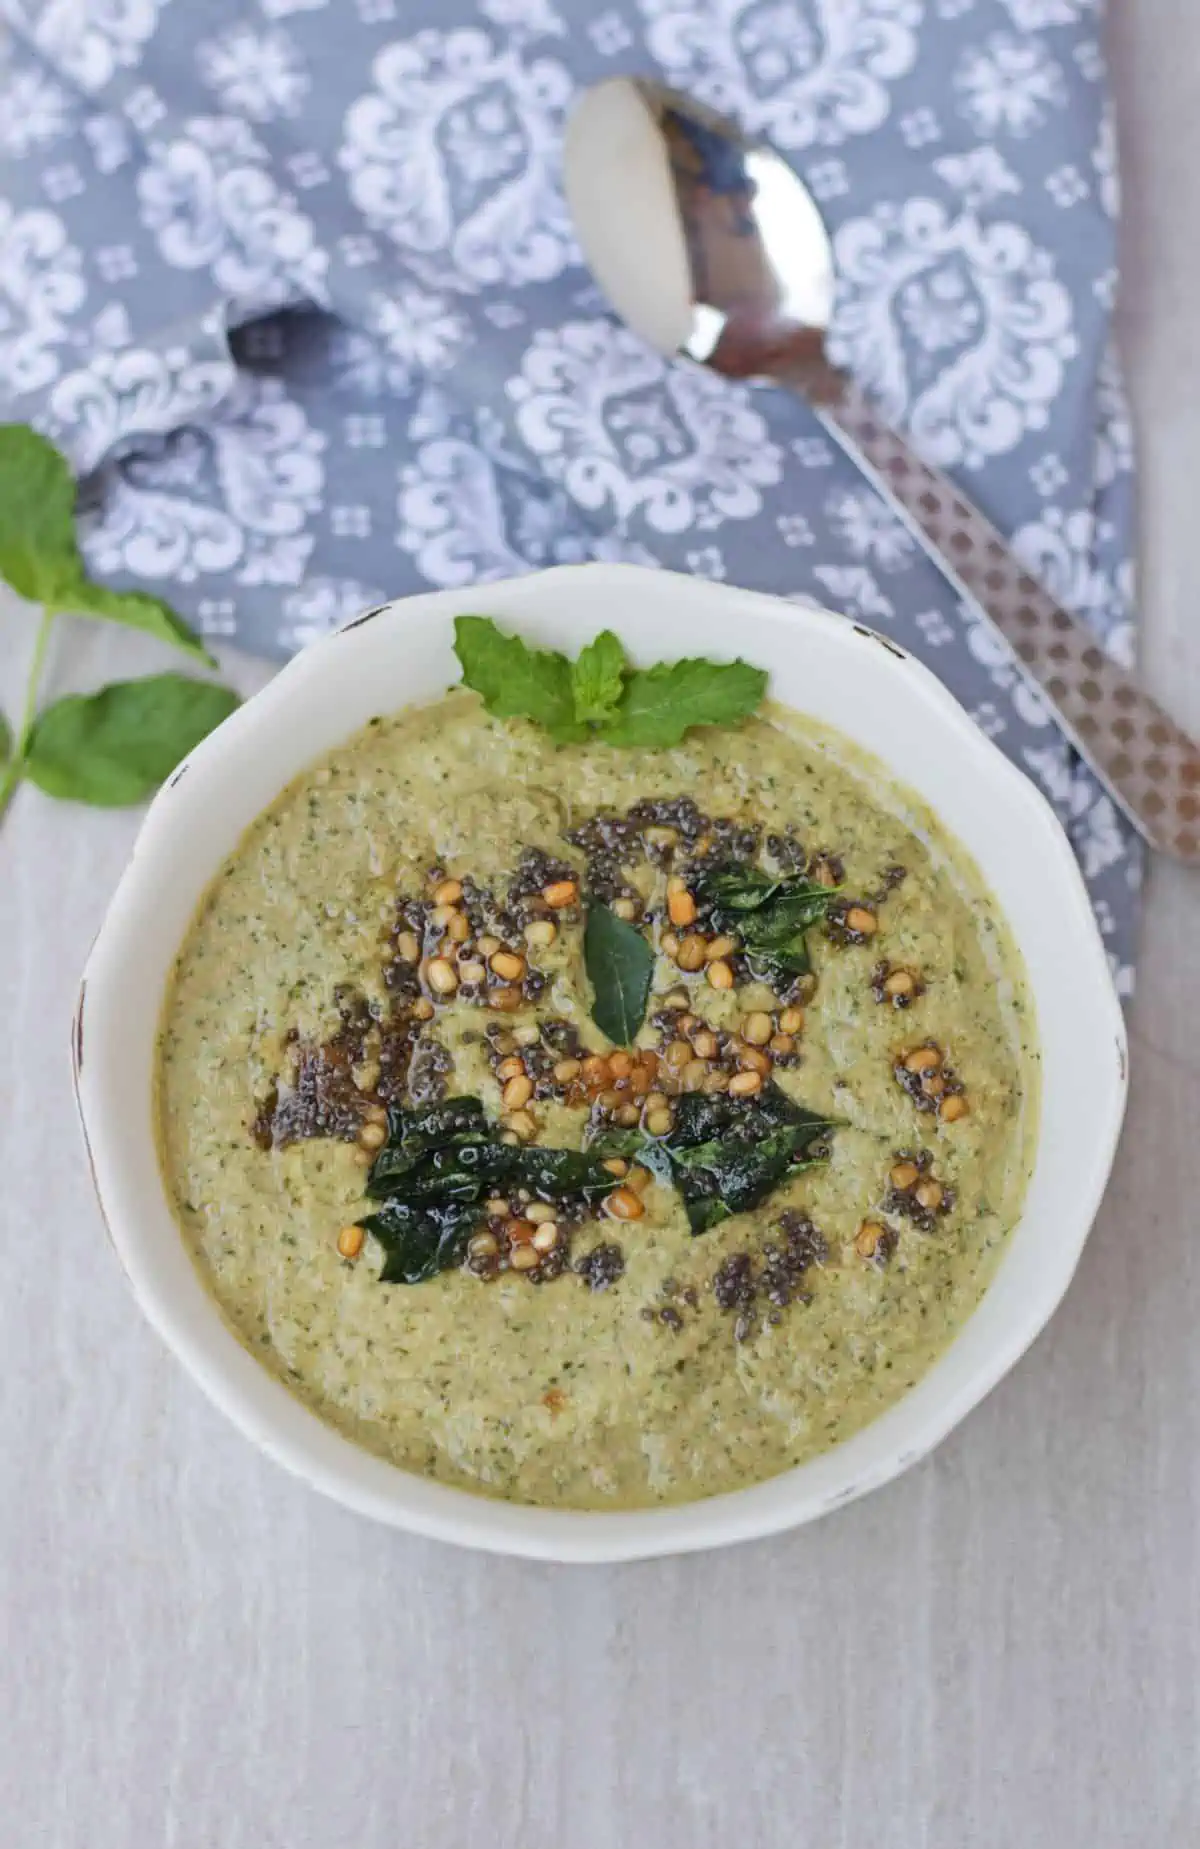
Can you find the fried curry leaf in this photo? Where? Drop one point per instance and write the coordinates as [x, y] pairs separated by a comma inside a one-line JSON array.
[[724, 1178], [771, 916], [726, 1155], [561, 1174], [739, 887], [705, 1117], [449, 1151], [434, 1174], [413, 1135], [418, 1242], [619, 964], [436, 1171]]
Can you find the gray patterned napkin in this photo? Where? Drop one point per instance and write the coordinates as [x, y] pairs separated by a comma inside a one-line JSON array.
[[293, 283]]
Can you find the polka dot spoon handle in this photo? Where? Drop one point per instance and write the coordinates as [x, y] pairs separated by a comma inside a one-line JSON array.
[[1148, 764]]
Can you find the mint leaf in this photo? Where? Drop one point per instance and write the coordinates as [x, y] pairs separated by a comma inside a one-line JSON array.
[[599, 696], [39, 555], [116, 746], [598, 677], [661, 704], [515, 681], [137, 610], [619, 964]]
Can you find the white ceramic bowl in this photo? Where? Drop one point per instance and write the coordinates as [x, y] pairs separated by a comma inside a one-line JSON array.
[[820, 664]]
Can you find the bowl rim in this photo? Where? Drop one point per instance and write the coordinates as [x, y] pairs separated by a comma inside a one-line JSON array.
[[267, 1413]]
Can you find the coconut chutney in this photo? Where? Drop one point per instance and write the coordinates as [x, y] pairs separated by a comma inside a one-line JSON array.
[[405, 924]]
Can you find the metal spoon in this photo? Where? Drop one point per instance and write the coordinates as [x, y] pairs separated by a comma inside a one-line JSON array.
[[710, 246]]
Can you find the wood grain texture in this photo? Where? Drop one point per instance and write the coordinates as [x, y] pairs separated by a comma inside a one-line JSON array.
[[1003, 1648]]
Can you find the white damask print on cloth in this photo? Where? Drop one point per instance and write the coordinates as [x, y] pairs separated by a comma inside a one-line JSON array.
[[1007, 85], [454, 153], [981, 177], [467, 518], [257, 466], [535, 17], [1114, 433], [89, 40], [1006, 674], [855, 590], [1060, 550], [208, 197], [294, 285], [41, 286], [132, 393], [35, 111], [259, 74], [628, 433], [869, 529], [469, 509], [802, 74], [1033, 15], [322, 605], [961, 329], [1104, 161], [421, 331]]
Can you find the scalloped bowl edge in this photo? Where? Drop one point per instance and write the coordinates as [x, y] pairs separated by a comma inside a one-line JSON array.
[[838, 671]]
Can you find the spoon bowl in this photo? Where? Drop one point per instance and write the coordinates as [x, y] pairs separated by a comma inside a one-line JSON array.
[[727, 258]]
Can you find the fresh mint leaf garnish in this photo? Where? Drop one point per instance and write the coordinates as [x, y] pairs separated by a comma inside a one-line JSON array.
[[111, 747], [661, 704], [136, 610], [116, 746], [597, 679], [516, 681], [599, 695], [770, 916], [619, 964], [39, 555]]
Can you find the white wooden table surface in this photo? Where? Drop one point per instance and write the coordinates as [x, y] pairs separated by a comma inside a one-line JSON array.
[[1002, 1649]]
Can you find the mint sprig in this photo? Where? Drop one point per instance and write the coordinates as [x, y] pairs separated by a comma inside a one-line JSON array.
[[516, 681], [601, 695], [661, 704], [598, 679], [39, 554], [115, 746]]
